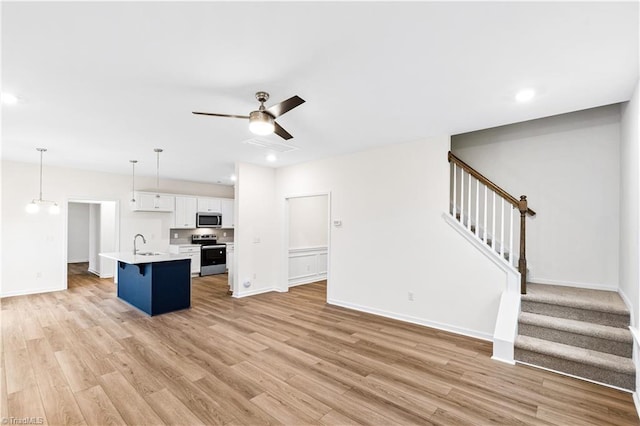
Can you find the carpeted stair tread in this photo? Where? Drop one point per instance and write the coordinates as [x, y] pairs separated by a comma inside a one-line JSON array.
[[577, 327], [581, 298], [585, 356]]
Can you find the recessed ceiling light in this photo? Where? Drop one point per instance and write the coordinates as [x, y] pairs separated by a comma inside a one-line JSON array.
[[9, 99], [233, 178], [271, 158], [525, 95]]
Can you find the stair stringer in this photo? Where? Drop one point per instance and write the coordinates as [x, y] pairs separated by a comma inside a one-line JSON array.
[[506, 328]]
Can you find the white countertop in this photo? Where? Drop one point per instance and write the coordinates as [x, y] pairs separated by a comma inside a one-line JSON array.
[[130, 258]]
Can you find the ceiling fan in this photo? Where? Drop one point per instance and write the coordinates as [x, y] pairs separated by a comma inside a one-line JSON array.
[[262, 121]]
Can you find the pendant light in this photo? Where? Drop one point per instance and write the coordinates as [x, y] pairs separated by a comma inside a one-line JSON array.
[[157, 199], [133, 182], [34, 205]]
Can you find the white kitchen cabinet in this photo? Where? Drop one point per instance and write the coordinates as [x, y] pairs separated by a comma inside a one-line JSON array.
[[152, 202], [227, 213], [185, 212], [191, 250], [211, 205]]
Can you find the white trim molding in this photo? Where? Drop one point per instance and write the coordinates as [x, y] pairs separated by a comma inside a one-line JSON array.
[[413, 320], [307, 265]]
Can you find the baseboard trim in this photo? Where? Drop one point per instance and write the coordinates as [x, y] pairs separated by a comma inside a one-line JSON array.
[[32, 291], [577, 377], [413, 320], [592, 286], [312, 279], [256, 292]]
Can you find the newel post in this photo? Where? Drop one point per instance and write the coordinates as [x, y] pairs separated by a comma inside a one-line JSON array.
[[522, 263]]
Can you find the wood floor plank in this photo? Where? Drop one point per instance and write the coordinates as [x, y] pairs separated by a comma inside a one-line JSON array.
[[131, 406], [60, 406], [172, 410], [97, 408], [20, 374], [78, 375], [26, 403], [82, 356]]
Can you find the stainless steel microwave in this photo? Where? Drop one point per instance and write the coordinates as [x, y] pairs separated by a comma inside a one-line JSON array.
[[208, 220]]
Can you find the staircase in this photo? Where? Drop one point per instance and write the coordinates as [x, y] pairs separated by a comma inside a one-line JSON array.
[[581, 332]]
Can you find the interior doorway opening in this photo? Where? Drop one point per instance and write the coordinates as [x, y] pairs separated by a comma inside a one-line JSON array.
[[308, 239], [92, 228]]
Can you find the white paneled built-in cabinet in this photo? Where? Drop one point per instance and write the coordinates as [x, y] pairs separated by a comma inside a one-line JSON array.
[[211, 205], [185, 212], [153, 202], [227, 213]]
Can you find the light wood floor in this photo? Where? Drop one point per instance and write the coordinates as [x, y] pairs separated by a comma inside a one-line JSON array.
[[82, 356]]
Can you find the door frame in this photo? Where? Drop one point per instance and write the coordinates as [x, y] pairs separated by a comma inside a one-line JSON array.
[[285, 242]]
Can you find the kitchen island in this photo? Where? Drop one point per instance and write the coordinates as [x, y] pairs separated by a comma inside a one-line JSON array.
[[155, 283]]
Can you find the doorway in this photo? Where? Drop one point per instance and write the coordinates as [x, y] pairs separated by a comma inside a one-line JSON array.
[[307, 239], [92, 228]]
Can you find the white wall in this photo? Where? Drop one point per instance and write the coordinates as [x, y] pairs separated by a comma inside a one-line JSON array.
[[78, 233], [255, 231], [308, 221], [94, 237], [630, 204], [569, 168], [377, 259], [43, 237]]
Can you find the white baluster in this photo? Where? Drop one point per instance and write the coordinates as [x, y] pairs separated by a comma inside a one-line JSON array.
[[493, 228], [502, 227], [462, 196], [455, 195], [484, 232], [477, 207], [511, 259], [469, 206]]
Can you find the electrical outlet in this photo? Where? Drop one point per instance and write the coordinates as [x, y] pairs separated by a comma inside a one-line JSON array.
[[224, 234], [38, 274], [254, 276], [410, 296], [175, 235]]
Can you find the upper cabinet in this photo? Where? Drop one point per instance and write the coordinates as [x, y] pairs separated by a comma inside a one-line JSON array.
[[185, 214], [211, 205], [227, 213], [152, 202]]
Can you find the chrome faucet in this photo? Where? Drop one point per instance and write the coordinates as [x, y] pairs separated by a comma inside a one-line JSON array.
[[135, 250]]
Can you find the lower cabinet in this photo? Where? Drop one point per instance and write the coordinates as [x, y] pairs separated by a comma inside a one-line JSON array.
[[191, 250]]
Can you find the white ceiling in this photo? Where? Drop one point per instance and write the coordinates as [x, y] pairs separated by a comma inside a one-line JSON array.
[[102, 83]]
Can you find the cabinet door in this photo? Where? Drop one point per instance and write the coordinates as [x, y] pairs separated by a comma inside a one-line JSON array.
[[211, 205], [185, 213], [148, 201], [227, 213]]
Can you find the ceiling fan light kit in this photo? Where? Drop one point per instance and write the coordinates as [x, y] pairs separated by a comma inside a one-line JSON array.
[[262, 121]]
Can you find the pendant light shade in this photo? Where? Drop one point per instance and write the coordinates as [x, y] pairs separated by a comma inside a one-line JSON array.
[[34, 206]]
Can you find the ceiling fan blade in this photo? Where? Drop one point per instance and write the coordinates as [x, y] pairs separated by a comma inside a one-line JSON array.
[[278, 109], [221, 115], [278, 130]]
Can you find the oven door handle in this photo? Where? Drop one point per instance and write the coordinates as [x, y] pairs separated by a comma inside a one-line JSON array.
[[213, 247]]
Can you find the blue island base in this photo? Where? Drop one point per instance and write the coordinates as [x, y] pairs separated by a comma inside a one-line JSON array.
[[156, 288]]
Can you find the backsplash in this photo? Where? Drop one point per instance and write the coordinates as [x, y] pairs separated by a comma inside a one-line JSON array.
[[184, 235]]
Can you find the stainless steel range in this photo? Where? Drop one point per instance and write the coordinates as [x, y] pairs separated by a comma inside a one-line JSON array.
[[213, 259]]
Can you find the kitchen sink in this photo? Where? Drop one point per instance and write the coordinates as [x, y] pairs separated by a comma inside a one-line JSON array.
[[149, 253]]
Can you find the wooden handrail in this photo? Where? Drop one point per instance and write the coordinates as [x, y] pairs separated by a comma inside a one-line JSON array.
[[495, 188], [520, 204]]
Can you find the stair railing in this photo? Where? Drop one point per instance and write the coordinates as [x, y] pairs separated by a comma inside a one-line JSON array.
[[473, 204]]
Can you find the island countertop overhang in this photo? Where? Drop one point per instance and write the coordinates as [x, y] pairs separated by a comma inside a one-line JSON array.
[[136, 259]]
